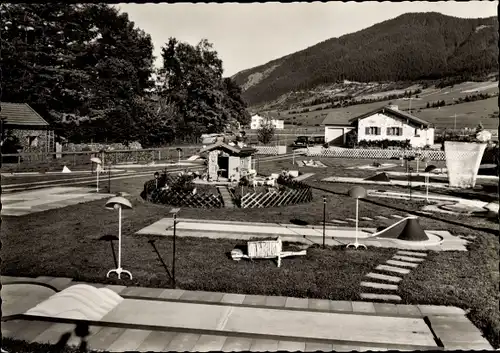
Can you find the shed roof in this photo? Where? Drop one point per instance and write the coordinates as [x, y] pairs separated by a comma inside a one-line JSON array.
[[21, 114], [219, 145]]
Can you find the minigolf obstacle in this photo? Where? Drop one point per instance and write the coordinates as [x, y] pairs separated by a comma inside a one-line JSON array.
[[407, 229], [379, 177], [80, 301], [66, 170]]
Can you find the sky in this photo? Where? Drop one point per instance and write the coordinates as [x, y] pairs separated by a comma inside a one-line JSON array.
[[249, 35]]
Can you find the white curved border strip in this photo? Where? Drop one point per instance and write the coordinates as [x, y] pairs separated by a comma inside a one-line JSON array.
[[392, 226]]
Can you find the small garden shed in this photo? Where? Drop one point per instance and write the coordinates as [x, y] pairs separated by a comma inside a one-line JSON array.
[[228, 162]]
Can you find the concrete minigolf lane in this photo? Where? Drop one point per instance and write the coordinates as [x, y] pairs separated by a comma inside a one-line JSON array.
[[274, 322]]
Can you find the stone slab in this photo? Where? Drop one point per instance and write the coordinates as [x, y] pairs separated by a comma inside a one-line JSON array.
[[142, 292], [183, 342], [411, 253], [319, 304], [19, 298], [54, 333], [32, 329], [318, 347], [208, 343], [251, 299], [302, 303], [275, 301], [363, 307], [236, 344], [60, 282], [386, 297], [440, 310], [382, 277], [341, 305], [233, 298], [129, 340], [381, 217], [385, 308], [203, 296], [291, 346], [264, 345], [116, 288], [392, 269], [401, 263], [268, 321], [171, 294], [156, 341], [411, 310], [407, 258], [379, 285], [104, 338]]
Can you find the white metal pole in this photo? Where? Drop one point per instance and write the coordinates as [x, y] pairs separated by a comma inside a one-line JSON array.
[[97, 173], [418, 159], [293, 162], [357, 200], [120, 237]]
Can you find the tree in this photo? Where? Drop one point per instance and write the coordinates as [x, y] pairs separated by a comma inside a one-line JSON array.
[[84, 62], [191, 80], [266, 132]]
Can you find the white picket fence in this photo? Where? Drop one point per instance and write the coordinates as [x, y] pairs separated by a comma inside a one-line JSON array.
[[374, 153]]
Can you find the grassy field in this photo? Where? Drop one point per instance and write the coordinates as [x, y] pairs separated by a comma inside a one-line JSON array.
[[72, 242], [468, 114]]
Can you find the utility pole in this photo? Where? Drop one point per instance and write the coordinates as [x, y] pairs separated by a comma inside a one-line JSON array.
[[455, 121]]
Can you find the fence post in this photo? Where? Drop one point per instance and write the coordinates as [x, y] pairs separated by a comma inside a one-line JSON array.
[[153, 155]]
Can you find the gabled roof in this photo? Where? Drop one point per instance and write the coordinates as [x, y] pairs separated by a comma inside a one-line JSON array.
[[20, 114], [343, 119], [398, 113], [224, 146]]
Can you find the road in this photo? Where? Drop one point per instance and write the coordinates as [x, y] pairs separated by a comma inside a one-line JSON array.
[[59, 180]]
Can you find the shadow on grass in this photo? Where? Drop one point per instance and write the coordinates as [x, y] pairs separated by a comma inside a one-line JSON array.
[[420, 214], [110, 238], [155, 249], [298, 222]]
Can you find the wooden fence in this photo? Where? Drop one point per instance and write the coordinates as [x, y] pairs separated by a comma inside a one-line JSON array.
[[295, 192], [187, 199]]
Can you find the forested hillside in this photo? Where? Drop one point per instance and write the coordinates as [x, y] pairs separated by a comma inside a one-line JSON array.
[[413, 46]]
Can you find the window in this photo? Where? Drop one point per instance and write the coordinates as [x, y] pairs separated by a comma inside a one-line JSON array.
[[394, 131], [32, 141], [372, 130], [416, 133]]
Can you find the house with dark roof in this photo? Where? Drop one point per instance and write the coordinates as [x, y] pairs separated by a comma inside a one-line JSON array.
[[22, 121], [386, 122]]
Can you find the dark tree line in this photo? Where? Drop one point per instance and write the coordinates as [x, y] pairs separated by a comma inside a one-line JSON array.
[[88, 70]]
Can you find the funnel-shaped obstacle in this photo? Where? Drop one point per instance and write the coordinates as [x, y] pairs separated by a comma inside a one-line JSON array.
[[407, 229], [379, 177]]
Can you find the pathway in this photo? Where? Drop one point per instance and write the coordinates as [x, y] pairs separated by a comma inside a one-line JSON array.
[[156, 319], [226, 196], [388, 275], [27, 202]]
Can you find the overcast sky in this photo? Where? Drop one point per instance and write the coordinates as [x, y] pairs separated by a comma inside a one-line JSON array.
[[248, 35]]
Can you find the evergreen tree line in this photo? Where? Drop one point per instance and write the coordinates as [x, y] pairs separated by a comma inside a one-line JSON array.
[[88, 70]]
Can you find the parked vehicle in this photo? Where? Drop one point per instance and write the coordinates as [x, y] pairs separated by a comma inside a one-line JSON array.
[[304, 141], [208, 139]]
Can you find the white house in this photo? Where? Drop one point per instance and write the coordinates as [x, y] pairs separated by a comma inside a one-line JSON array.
[[383, 123], [258, 120]]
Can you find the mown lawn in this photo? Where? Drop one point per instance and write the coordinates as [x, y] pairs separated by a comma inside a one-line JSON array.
[[66, 242]]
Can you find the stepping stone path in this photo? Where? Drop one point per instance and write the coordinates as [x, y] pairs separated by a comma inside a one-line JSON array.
[[397, 216], [381, 217], [398, 264], [367, 218]]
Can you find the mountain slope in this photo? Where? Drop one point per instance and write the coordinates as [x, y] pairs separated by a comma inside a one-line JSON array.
[[410, 47]]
